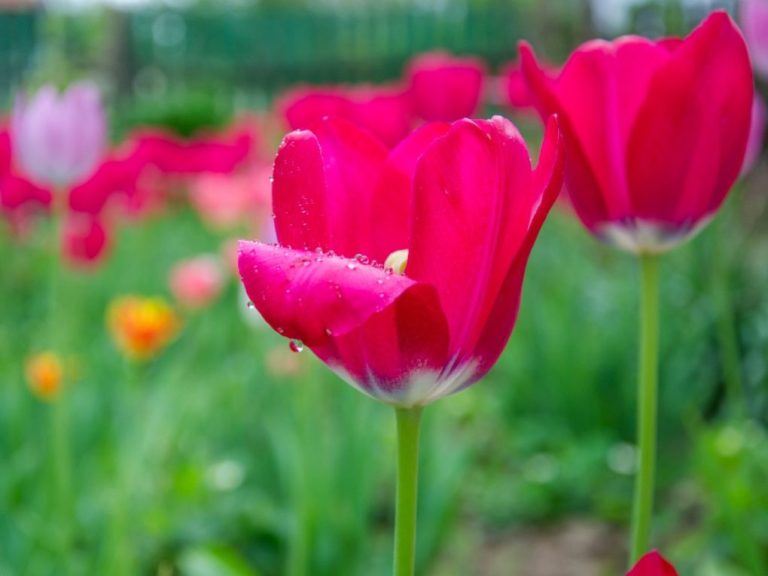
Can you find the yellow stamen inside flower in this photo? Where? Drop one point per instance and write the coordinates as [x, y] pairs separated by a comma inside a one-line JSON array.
[[45, 375], [397, 261]]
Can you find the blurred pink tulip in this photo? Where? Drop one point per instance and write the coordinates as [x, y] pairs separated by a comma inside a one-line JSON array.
[[514, 88], [217, 153], [443, 87], [19, 197], [228, 200], [59, 138], [754, 22], [382, 110], [85, 239], [196, 282], [756, 134]]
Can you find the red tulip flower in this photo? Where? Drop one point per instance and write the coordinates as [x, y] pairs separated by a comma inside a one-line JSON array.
[[219, 153], [445, 88], [402, 271], [650, 155], [653, 564], [383, 110]]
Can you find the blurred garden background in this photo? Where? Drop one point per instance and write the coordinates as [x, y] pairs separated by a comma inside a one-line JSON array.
[[226, 452]]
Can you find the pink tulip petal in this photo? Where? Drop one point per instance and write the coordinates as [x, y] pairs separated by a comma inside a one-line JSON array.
[[473, 203], [653, 564], [590, 203], [393, 196], [311, 296], [323, 186], [544, 189], [682, 158]]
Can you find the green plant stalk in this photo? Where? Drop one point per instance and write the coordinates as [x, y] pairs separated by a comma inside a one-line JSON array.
[[121, 558], [61, 461], [730, 355], [647, 407], [408, 427]]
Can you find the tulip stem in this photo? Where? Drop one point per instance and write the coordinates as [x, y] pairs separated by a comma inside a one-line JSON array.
[[60, 429], [408, 425], [647, 397]]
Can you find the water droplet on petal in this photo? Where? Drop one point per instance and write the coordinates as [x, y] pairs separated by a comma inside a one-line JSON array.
[[250, 305], [351, 266], [328, 332], [295, 346]]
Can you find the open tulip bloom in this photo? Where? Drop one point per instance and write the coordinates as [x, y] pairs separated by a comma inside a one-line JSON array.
[[402, 270], [655, 136]]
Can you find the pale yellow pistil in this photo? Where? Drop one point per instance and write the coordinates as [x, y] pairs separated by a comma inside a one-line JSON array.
[[397, 261]]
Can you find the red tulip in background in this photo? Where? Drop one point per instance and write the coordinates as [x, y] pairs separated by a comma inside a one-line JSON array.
[[383, 110], [653, 564], [445, 88], [454, 210], [205, 153], [515, 92], [754, 19], [649, 155], [19, 197]]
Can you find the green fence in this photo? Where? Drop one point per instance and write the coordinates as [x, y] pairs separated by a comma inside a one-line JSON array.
[[271, 49], [18, 39]]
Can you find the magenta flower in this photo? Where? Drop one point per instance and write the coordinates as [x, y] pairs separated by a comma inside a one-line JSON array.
[[383, 110], [59, 138], [653, 564], [445, 88], [402, 271], [649, 158], [754, 21]]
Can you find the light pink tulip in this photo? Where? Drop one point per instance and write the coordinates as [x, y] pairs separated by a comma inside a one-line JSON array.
[[196, 282], [756, 134], [754, 22], [59, 138]]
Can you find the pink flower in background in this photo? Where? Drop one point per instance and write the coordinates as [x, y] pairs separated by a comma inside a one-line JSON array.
[[59, 138], [514, 88], [384, 110], [231, 200], [653, 564], [216, 153], [85, 239], [754, 21], [443, 87], [197, 282], [756, 134], [402, 270], [19, 197], [649, 157]]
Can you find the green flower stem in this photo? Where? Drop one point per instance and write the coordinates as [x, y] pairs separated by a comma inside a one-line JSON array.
[[730, 355], [61, 460], [647, 393], [408, 422]]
